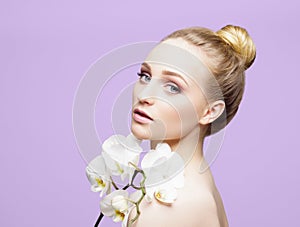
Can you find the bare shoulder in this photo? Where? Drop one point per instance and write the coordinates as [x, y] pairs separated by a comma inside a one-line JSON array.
[[207, 199], [198, 205], [206, 207]]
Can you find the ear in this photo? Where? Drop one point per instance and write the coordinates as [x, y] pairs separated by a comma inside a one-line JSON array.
[[212, 112]]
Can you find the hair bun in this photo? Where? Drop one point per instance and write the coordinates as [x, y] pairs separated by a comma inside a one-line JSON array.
[[239, 39]]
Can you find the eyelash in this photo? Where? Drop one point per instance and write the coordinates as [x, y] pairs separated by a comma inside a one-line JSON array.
[[143, 76]]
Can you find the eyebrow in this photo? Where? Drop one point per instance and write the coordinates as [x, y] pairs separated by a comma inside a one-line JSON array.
[[147, 66], [166, 72]]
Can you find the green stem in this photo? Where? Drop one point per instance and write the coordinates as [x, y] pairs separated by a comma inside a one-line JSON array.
[[137, 204]]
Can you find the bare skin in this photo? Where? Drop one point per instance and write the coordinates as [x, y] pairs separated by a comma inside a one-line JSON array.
[[182, 116], [198, 204]]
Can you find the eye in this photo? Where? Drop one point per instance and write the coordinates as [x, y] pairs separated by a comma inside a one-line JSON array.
[[173, 88], [144, 77]]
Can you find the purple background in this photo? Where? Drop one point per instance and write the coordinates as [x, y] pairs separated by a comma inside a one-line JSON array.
[[47, 46]]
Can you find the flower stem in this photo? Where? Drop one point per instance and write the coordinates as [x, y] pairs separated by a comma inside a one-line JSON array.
[[126, 186], [137, 170], [114, 184], [137, 204], [99, 219]]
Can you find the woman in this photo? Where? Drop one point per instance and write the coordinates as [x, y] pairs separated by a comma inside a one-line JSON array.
[[179, 100]]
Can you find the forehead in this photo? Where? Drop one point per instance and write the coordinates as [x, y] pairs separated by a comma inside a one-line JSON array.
[[180, 56]]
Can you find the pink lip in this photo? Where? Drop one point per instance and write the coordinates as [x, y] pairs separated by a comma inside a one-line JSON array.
[[141, 117]]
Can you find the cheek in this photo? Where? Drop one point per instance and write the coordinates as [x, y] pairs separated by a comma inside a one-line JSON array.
[[179, 118], [134, 94]]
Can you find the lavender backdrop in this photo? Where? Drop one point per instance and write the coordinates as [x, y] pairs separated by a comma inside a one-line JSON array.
[[47, 46]]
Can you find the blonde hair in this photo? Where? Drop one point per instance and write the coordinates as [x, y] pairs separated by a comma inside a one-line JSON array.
[[229, 52]]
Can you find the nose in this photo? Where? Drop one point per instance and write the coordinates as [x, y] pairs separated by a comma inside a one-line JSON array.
[[145, 95], [148, 100], [144, 98]]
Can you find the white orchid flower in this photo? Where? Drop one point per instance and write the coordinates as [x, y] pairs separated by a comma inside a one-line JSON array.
[[118, 204], [118, 151], [164, 173], [166, 194], [98, 176], [115, 205]]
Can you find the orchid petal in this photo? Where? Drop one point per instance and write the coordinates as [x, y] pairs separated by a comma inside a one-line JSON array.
[[120, 203], [109, 203], [119, 216], [98, 175], [164, 173], [134, 143], [163, 147], [166, 195], [118, 152]]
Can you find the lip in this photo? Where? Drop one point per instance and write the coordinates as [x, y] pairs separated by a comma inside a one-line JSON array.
[[141, 116]]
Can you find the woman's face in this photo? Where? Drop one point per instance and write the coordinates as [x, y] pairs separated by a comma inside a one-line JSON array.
[[168, 100]]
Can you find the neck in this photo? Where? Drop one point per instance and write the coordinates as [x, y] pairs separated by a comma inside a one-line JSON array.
[[190, 147]]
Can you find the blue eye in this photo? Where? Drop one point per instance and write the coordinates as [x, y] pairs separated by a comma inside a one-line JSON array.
[[173, 88], [144, 77]]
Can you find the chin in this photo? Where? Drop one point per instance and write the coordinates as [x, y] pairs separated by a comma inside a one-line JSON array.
[[148, 132], [141, 132]]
